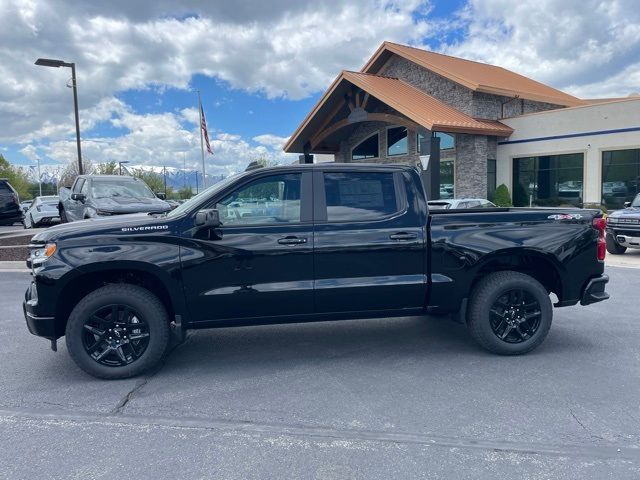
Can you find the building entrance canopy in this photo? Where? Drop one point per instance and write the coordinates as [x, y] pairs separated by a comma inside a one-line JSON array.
[[346, 103]]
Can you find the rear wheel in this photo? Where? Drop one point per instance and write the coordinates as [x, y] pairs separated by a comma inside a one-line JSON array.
[[614, 247], [118, 331], [509, 313]]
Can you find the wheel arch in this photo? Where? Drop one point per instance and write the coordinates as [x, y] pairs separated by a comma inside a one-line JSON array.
[[540, 265], [94, 276]]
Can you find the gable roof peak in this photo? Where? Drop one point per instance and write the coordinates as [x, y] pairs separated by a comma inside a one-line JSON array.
[[477, 76]]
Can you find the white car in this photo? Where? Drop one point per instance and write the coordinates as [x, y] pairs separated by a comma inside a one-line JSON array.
[[454, 203], [43, 211]]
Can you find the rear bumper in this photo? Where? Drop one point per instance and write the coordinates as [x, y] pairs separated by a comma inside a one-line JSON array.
[[42, 326], [594, 291]]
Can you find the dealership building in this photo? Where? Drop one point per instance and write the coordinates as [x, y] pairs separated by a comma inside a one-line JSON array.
[[477, 126]]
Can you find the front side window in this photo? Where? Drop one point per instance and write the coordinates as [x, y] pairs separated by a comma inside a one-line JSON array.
[[368, 148], [78, 185], [269, 200], [358, 196], [396, 141]]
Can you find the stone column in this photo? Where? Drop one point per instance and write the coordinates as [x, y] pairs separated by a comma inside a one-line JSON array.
[[471, 166]]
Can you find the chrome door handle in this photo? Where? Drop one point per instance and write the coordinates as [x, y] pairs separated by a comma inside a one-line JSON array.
[[292, 240], [401, 236]]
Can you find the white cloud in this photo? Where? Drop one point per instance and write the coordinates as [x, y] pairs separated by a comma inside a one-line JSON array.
[[273, 141], [590, 48], [280, 49], [159, 140]]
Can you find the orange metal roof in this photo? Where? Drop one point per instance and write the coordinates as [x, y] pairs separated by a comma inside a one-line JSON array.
[[422, 108], [413, 103], [480, 77]]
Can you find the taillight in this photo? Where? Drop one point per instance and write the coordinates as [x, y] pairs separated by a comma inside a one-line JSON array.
[[600, 224]]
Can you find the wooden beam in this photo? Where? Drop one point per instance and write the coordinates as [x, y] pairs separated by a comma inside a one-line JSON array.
[[364, 101], [372, 117]]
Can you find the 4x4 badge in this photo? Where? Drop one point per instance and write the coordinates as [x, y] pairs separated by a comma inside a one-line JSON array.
[[565, 216]]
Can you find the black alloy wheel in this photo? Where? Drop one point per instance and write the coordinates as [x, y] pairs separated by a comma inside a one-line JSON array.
[[509, 313], [118, 331], [115, 335], [515, 316]]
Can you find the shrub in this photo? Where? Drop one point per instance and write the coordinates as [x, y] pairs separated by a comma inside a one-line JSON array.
[[501, 196]]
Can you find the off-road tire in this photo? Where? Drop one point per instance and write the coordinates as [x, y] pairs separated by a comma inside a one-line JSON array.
[[487, 292], [614, 247], [145, 304]]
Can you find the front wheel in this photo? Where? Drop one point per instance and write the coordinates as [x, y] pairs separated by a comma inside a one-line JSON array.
[[509, 313], [614, 247], [63, 216], [118, 331]]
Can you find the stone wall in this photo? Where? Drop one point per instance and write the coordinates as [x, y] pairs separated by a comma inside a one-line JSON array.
[[437, 86], [488, 106], [471, 166]]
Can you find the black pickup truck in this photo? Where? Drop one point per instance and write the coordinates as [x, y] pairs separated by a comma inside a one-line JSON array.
[[307, 243]]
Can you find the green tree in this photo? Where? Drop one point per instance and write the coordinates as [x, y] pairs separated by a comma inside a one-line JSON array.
[[17, 177], [154, 181], [70, 172], [108, 168], [520, 195], [185, 192], [501, 196]]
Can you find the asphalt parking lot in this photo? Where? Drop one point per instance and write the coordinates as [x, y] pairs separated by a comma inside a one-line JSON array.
[[384, 398]]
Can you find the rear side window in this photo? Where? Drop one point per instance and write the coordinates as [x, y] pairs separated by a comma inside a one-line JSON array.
[[4, 187], [355, 196]]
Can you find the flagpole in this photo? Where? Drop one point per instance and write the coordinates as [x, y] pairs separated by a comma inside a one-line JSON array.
[[204, 174]]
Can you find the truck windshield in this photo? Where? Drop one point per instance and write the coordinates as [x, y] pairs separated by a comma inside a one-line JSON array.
[[196, 199], [119, 188]]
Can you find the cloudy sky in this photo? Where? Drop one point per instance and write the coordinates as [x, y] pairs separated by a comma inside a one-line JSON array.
[[261, 65]]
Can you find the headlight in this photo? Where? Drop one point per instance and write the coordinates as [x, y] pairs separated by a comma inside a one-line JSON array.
[[42, 254], [96, 212]]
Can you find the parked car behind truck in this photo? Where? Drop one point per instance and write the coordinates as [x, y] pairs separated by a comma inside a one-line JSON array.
[[106, 195], [10, 211], [42, 211], [320, 242], [623, 228]]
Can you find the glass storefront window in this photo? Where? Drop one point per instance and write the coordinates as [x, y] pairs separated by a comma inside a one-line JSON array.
[[447, 141], [368, 148], [620, 177], [549, 180], [447, 158], [396, 141], [491, 178]]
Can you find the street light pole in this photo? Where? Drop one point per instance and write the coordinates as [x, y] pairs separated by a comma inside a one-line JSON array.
[[48, 62], [39, 176], [75, 108]]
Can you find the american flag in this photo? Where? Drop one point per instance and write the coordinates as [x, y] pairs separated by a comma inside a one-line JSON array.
[[203, 126]]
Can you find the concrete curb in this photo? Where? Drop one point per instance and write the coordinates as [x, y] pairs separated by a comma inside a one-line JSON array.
[[14, 266]]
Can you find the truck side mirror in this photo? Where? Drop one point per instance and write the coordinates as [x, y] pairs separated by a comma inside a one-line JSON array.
[[207, 218], [161, 195], [79, 197], [627, 204]]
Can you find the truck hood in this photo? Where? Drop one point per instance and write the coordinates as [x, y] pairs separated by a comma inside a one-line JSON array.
[[130, 204], [117, 225], [629, 212]]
